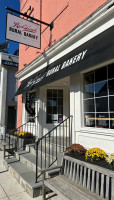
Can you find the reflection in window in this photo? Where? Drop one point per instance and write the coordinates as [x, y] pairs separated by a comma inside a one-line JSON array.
[[98, 93], [54, 112], [101, 88]]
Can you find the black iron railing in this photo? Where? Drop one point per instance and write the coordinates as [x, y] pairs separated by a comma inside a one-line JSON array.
[[14, 142], [56, 140]]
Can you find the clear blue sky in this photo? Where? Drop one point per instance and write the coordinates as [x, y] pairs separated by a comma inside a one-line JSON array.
[[15, 4]]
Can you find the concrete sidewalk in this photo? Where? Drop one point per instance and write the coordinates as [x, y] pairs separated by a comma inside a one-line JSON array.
[[10, 189]]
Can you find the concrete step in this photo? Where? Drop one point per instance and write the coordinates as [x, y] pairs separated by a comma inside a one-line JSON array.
[[29, 160], [25, 176]]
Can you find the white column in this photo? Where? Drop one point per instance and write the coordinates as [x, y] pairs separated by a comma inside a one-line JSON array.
[[3, 98]]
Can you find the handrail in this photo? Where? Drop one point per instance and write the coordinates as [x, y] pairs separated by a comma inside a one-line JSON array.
[[54, 128], [57, 139], [13, 143]]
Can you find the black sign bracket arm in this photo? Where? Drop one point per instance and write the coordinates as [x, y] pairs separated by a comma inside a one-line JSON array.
[[37, 20]]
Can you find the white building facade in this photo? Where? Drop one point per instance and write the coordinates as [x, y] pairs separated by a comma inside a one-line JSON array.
[[8, 87]]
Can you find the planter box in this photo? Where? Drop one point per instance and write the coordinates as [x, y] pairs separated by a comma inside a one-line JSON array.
[[18, 143], [96, 179]]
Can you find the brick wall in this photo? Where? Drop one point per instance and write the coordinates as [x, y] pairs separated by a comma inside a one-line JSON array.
[[66, 14]]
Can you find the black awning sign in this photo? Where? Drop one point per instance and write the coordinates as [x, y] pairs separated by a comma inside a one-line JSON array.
[[67, 63], [92, 53]]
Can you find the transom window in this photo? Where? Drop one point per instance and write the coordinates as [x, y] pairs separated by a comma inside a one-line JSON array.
[[98, 98], [54, 111]]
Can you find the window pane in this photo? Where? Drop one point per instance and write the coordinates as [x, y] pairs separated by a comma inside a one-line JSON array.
[[101, 74], [49, 119], [54, 93], [102, 104], [49, 109], [49, 102], [54, 101], [88, 78], [111, 71], [89, 91], [111, 86], [60, 93], [101, 89], [54, 106], [102, 120], [89, 119], [54, 110], [89, 85], [60, 110], [60, 101], [89, 105], [111, 103], [49, 93]]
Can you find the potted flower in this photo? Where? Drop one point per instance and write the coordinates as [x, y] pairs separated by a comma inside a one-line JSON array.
[[91, 169], [18, 139]]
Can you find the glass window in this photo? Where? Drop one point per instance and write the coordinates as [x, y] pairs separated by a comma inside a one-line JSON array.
[[111, 71], [111, 86], [54, 111], [111, 103], [89, 119], [101, 89], [102, 120], [89, 85], [89, 105], [101, 74], [102, 104], [98, 94]]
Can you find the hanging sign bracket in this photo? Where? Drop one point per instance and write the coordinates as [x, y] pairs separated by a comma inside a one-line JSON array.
[[37, 20]]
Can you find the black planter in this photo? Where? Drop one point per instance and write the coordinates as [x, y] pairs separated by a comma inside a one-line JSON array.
[[18, 143]]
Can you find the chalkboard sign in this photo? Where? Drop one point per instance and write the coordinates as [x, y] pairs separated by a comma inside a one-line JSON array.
[[28, 105], [90, 120]]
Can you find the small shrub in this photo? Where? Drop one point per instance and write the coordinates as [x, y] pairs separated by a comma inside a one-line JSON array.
[[110, 159], [95, 154], [76, 148]]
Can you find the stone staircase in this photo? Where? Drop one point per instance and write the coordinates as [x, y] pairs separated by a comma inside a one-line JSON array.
[[23, 165]]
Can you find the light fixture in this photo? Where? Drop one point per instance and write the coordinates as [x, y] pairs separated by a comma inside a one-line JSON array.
[[24, 64]]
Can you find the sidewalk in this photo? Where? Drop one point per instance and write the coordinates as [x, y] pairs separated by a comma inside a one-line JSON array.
[[10, 189]]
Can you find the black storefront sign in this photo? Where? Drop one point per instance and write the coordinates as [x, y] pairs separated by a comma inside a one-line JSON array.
[[95, 51], [28, 105], [9, 63]]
